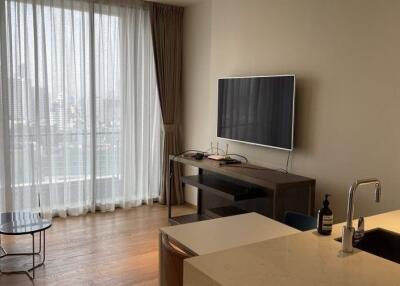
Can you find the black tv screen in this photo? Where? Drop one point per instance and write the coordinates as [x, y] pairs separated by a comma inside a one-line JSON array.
[[258, 110]]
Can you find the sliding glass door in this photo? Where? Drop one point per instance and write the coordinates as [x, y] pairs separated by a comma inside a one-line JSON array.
[[80, 98]]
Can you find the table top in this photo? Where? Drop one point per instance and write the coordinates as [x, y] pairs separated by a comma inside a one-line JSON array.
[[16, 223], [302, 259], [261, 176]]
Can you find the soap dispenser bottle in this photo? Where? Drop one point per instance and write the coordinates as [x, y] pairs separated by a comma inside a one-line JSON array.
[[325, 218]]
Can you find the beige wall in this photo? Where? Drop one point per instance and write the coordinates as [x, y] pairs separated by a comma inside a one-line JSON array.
[[346, 57], [196, 81]]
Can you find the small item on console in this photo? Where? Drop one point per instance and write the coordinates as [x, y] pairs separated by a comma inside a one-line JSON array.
[[325, 218], [216, 157], [199, 156], [229, 161]]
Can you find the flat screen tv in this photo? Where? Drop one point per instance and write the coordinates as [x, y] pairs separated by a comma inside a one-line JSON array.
[[257, 110]]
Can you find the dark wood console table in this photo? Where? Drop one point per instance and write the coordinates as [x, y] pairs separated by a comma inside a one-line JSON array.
[[235, 189]]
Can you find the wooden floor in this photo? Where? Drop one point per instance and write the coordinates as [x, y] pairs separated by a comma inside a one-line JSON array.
[[115, 248]]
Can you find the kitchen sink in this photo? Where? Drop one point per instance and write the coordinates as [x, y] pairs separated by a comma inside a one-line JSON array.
[[380, 242]]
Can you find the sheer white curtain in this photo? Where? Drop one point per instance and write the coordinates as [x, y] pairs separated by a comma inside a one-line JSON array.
[[3, 106], [79, 101], [128, 114]]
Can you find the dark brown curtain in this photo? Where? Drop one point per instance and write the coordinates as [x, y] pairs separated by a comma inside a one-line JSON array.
[[166, 24]]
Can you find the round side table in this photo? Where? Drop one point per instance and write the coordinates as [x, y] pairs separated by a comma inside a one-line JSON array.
[[24, 223]]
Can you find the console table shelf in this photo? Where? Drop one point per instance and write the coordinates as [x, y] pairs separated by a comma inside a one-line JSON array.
[[228, 190], [223, 188]]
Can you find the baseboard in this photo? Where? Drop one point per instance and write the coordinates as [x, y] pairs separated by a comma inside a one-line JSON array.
[[190, 205]]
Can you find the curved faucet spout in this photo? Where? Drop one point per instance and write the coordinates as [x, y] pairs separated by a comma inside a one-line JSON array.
[[348, 229], [352, 191]]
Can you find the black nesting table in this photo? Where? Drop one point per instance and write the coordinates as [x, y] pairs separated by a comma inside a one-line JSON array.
[[22, 223]]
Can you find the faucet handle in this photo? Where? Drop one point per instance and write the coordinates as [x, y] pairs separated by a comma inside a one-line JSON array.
[[359, 233], [360, 225]]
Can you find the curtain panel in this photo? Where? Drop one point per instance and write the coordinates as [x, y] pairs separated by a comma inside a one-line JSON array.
[[167, 31], [81, 125]]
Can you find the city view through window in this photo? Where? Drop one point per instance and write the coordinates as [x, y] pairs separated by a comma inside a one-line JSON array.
[[52, 119]]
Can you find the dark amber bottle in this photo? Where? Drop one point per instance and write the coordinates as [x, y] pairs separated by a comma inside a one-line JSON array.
[[325, 218]]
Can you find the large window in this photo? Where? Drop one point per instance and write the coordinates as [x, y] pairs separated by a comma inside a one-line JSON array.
[[82, 103], [49, 70]]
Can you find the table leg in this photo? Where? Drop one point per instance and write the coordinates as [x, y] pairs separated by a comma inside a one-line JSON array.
[[169, 190], [44, 246], [311, 199], [3, 252], [200, 196], [40, 242], [22, 253], [33, 253], [33, 256], [34, 266]]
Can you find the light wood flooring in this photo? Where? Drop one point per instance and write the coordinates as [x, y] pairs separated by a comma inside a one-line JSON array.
[[114, 248]]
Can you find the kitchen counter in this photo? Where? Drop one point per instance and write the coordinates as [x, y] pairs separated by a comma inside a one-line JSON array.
[[297, 259], [229, 232]]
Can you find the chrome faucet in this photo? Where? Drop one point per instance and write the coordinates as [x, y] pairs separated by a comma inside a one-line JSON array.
[[348, 229]]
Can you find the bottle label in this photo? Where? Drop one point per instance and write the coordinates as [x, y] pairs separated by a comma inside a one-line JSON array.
[[327, 221]]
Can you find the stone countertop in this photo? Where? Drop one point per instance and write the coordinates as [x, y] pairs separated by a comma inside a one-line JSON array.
[[229, 232], [299, 259]]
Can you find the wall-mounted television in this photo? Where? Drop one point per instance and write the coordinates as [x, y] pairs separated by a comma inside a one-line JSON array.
[[257, 110]]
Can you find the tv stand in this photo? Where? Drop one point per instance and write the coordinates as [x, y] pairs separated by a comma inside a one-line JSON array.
[[235, 189]]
